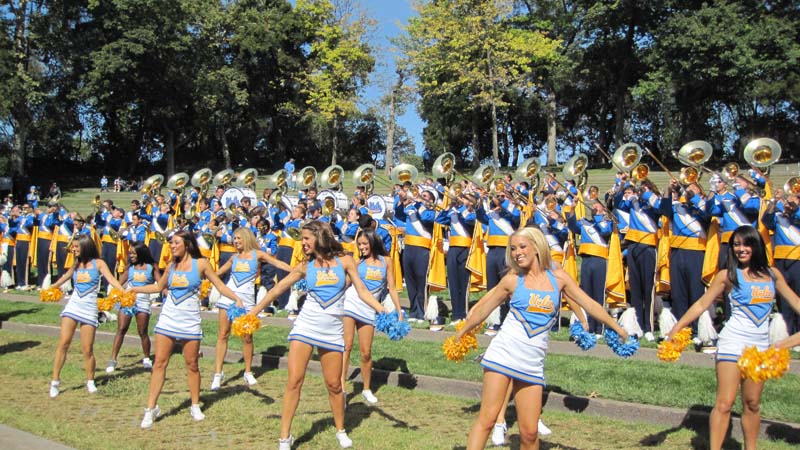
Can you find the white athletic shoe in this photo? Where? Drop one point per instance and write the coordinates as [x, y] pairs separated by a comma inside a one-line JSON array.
[[91, 387], [197, 415], [250, 379], [150, 416], [217, 381], [285, 444], [649, 336], [499, 434], [147, 363], [344, 441], [369, 397], [54, 388], [543, 429], [112, 364]]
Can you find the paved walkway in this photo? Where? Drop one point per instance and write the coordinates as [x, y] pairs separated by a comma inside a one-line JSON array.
[[12, 438]]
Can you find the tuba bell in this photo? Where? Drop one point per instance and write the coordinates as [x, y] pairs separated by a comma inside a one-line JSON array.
[[201, 179], [404, 172], [152, 184], [178, 181], [247, 178], [575, 167], [307, 177], [224, 178], [331, 178], [695, 153], [627, 156], [278, 181], [483, 175], [445, 167], [792, 186], [762, 153], [364, 176]]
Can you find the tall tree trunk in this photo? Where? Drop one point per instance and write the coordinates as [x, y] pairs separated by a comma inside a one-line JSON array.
[[505, 154], [226, 152], [476, 142], [335, 141], [390, 125], [550, 108], [621, 90], [495, 156], [21, 115]]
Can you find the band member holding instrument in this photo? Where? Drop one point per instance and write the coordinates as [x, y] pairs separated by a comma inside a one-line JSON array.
[[783, 218], [417, 218], [23, 225], [460, 218]]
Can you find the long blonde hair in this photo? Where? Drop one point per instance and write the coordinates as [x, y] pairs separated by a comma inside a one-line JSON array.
[[249, 242], [537, 239]]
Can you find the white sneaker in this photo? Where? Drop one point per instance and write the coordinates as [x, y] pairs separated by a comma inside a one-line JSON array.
[[649, 336], [456, 323], [91, 387], [369, 397], [250, 379], [112, 364], [543, 429], [150, 416], [197, 415], [54, 388], [217, 381], [286, 444], [499, 434], [147, 363], [344, 441]]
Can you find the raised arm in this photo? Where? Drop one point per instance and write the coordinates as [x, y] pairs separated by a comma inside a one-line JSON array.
[[716, 289], [160, 284], [297, 274], [488, 303], [225, 267], [364, 294], [577, 295], [103, 268], [206, 271], [67, 275], [265, 257]]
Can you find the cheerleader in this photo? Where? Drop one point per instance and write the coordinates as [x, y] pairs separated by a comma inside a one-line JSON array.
[[750, 284], [375, 271], [516, 355], [180, 318], [244, 268], [319, 323], [140, 273], [81, 308]]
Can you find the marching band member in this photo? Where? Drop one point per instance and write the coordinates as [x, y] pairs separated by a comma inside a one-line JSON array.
[[689, 227], [734, 209], [319, 323], [783, 218], [549, 220], [243, 268], [460, 218], [23, 226], [224, 235], [594, 231], [417, 218], [81, 309], [286, 220], [63, 234], [347, 229], [502, 217], [141, 272], [46, 221], [642, 237], [268, 242], [159, 227], [107, 223], [33, 198], [8, 223], [180, 319], [136, 231], [375, 271]]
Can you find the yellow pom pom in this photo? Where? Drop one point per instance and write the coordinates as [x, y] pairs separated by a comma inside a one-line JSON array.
[[245, 325], [668, 351], [682, 339], [127, 299], [761, 366], [205, 289], [454, 350], [52, 294], [106, 304]]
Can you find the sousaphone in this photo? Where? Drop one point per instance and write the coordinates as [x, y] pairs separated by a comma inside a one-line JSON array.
[[445, 167], [762, 153], [404, 172], [224, 178], [364, 176], [529, 171], [693, 155], [306, 177], [178, 182], [247, 178], [331, 178], [152, 184], [201, 179]]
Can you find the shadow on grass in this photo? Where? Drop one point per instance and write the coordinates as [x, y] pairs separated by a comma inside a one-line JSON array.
[[18, 312], [208, 399], [17, 346]]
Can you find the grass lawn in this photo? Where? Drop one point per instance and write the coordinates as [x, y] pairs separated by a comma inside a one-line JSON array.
[[238, 417], [652, 383]]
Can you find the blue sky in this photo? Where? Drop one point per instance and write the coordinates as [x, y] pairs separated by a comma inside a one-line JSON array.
[[391, 15]]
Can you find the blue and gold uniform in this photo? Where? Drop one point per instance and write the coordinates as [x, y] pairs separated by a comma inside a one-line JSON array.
[[141, 277], [47, 223], [24, 230], [180, 314], [461, 223], [319, 323], [751, 304], [82, 305], [242, 281], [418, 222], [374, 278], [594, 232], [785, 223]]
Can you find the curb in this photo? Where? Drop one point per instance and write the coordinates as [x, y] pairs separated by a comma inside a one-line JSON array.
[[22, 440], [695, 418]]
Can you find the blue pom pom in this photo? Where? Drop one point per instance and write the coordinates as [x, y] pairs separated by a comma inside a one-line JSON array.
[[390, 324], [234, 312], [301, 285], [622, 349], [128, 311], [584, 339]]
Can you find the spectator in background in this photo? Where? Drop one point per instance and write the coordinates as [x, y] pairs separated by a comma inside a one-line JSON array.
[[104, 184], [54, 190], [426, 160], [289, 168]]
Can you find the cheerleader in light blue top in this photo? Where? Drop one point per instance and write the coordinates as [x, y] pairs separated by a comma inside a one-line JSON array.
[[179, 320], [81, 308], [244, 268], [750, 285], [375, 270], [140, 273], [516, 354], [319, 323]]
